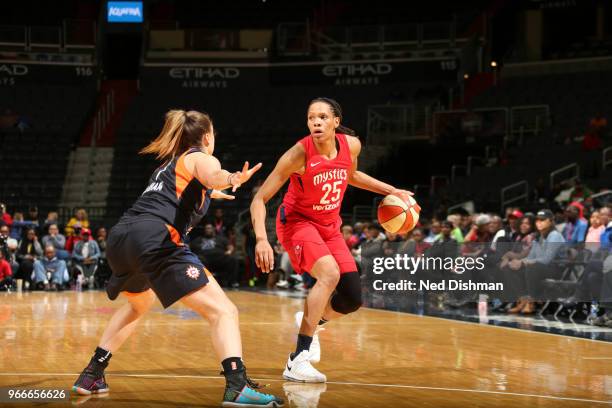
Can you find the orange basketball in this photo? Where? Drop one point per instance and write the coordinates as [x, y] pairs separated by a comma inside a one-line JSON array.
[[397, 216]]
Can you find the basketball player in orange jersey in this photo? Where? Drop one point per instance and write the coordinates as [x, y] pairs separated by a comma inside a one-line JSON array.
[[320, 167], [148, 258]]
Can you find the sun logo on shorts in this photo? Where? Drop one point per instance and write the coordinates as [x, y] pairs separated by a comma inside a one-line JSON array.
[[297, 249], [192, 272]]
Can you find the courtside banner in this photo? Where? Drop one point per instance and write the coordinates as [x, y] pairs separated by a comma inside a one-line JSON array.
[[20, 73], [341, 74]]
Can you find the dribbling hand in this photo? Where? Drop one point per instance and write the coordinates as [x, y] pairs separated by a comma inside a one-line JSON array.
[[240, 177], [403, 194], [264, 256]]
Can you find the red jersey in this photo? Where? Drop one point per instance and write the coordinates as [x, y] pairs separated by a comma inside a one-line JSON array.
[[317, 194]]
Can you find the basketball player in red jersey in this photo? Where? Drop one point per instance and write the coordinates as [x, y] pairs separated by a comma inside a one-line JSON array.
[[149, 259], [320, 167]]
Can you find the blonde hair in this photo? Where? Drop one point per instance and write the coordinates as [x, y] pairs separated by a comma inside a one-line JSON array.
[[181, 131], [81, 213]]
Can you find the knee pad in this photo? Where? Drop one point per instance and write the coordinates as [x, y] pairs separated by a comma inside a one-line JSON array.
[[347, 298]]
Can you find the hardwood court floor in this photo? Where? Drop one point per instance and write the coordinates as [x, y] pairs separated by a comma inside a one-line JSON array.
[[371, 359]]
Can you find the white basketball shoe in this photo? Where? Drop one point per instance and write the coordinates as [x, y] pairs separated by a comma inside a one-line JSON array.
[[300, 370], [315, 346]]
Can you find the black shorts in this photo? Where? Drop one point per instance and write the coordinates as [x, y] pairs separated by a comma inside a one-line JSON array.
[[143, 253]]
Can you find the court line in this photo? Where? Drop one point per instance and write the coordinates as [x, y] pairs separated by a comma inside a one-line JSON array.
[[416, 387], [597, 358], [448, 319]]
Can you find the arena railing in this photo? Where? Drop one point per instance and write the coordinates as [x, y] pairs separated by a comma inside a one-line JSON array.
[[45, 37], [466, 205], [529, 119], [514, 193], [494, 116], [79, 34], [13, 36], [570, 172], [293, 39], [95, 214], [388, 123], [454, 170]]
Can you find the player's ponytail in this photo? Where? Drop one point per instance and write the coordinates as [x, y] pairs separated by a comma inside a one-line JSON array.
[[337, 111], [182, 130]]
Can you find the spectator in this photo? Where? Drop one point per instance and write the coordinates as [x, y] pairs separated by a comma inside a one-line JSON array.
[[580, 192], [85, 257], [444, 247], [216, 253], [57, 241], [514, 281], [80, 220], [445, 244], [605, 216], [219, 222], [510, 231], [456, 233], [29, 251], [372, 247], [50, 266], [538, 266], [478, 236], [465, 223], [596, 229], [358, 230], [434, 231], [285, 269], [19, 226], [415, 246], [104, 272], [8, 247], [575, 228], [521, 244], [249, 248], [6, 273], [591, 141], [599, 124], [52, 218], [495, 225], [351, 239], [6, 217], [33, 216]]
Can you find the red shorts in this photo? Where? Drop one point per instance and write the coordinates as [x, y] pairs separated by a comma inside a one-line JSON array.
[[306, 241]]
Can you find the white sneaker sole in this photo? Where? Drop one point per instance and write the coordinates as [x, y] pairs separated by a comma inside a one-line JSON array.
[[287, 375]]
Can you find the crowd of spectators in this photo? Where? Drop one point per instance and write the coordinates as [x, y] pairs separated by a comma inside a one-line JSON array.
[[37, 256], [524, 250], [527, 251]]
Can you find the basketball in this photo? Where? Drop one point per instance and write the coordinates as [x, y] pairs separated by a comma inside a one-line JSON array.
[[397, 216]]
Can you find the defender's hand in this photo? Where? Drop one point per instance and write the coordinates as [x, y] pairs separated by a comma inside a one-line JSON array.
[[240, 177], [220, 195]]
